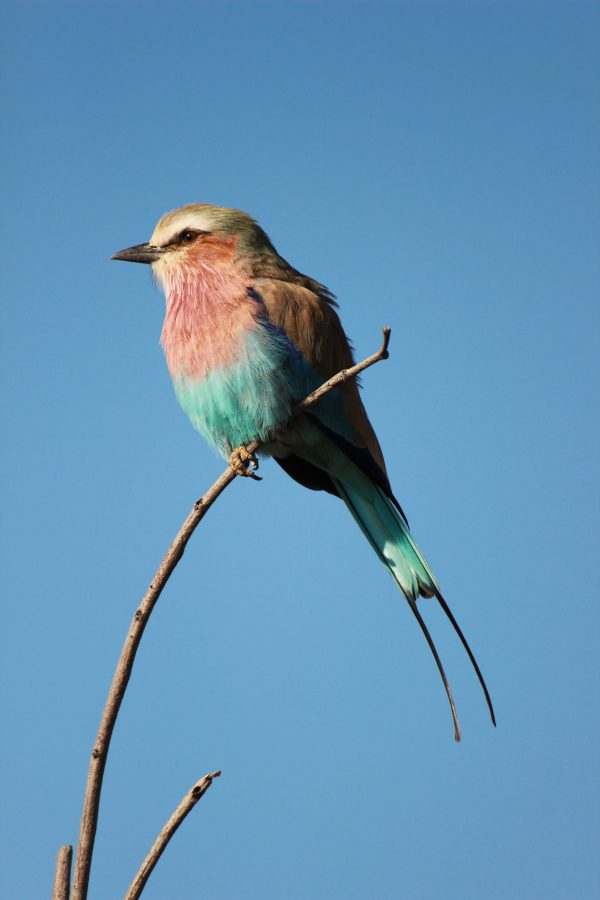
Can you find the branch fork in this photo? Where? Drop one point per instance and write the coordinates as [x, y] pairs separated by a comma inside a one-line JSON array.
[[91, 804]]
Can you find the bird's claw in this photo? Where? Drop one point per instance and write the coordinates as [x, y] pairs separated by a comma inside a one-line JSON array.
[[244, 463]]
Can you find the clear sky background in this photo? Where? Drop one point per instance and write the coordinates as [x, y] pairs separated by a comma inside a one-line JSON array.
[[437, 167]]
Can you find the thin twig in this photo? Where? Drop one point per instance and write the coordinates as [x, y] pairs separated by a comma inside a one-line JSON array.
[[345, 375], [91, 803], [168, 830], [62, 874]]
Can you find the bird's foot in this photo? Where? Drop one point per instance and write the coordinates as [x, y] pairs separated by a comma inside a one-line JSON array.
[[244, 463]]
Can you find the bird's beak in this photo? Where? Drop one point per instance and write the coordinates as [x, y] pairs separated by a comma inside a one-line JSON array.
[[141, 253]]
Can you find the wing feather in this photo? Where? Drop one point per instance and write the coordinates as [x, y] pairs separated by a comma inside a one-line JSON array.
[[311, 322]]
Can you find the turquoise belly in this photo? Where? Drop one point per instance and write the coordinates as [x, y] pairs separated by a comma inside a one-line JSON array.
[[252, 398]]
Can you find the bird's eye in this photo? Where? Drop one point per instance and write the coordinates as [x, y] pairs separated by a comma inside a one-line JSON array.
[[187, 236]]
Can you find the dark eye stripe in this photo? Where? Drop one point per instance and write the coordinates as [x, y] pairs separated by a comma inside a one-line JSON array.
[[187, 236]]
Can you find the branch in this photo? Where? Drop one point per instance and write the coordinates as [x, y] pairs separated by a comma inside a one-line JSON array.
[[91, 803], [168, 830], [62, 874], [345, 375]]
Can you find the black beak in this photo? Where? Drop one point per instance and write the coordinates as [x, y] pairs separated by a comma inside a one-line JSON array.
[[141, 253]]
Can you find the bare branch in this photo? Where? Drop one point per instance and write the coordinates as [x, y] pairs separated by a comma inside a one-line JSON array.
[[168, 830], [91, 803], [62, 874], [345, 375]]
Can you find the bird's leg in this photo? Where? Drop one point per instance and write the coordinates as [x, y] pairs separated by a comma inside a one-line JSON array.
[[244, 463]]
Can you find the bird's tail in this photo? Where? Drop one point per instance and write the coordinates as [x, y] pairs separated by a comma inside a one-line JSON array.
[[389, 535]]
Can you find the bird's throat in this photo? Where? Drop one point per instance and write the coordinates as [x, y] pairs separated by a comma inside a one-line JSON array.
[[209, 313]]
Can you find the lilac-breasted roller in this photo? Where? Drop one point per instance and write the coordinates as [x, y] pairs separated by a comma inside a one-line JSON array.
[[246, 337]]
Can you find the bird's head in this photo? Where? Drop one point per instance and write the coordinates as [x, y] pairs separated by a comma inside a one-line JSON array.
[[199, 239], [200, 236]]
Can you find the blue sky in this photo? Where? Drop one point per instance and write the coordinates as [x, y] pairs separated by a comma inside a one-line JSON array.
[[437, 167]]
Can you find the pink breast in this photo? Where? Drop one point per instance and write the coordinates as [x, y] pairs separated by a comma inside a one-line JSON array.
[[208, 315]]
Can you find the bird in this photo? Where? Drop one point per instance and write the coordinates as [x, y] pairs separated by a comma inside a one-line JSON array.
[[246, 337]]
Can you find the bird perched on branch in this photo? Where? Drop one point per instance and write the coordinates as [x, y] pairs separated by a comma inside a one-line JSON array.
[[246, 337]]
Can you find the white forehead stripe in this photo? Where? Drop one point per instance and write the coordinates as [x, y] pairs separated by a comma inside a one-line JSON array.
[[172, 224]]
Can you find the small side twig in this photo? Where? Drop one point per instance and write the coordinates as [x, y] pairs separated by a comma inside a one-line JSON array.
[[345, 375], [62, 873], [91, 803], [168, 830]]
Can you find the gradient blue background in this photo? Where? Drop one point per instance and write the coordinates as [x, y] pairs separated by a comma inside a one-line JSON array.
[[436, 166]]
